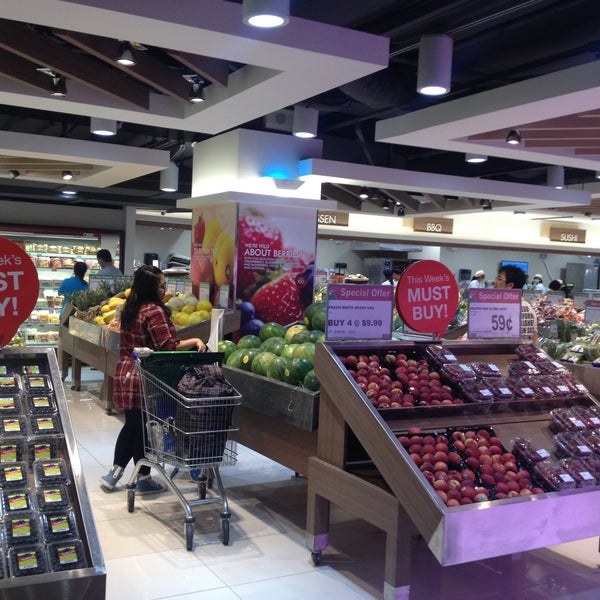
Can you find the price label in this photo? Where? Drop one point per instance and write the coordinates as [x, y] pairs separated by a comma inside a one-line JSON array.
[[494, 313], [592, 311], [359, 312]]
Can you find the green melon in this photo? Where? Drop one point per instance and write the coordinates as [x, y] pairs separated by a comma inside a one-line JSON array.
[[235, 359], [301, 337], [310, 381], [249, 341], [288, 351], [316, 335], [248, 356], [269, 330], [277, 368], [306, 350], [292, 330], [227, 347], [261, 362], [274, 345], [309, 312], [297, 369], [318, 318]]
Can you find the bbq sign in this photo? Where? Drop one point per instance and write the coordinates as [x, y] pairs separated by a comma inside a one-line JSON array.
[[19, 288], [427, 297]]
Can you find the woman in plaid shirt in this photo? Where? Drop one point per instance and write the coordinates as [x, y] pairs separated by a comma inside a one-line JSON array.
[[145, 323]]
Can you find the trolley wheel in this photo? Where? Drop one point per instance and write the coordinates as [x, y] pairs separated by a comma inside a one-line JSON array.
[[316, 557], [109, 411], [189, 536], [130, 500], [202, 490], [76, 388], [225, 531]]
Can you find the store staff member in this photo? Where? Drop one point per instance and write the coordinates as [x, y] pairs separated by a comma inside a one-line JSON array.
[[512, 277]]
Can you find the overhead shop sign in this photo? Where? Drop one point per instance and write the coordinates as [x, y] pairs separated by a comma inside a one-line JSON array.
[[429, 225], [573, 236], [333, 217]]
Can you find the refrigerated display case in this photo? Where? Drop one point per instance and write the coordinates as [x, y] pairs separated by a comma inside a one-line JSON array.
[[49, 547]]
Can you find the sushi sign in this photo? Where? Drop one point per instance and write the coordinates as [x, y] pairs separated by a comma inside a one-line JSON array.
[[573, 236]]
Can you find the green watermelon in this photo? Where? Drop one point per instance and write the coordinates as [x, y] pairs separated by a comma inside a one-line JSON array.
[[227, 347], [248, 356], [235, 359], [310, 381], [297, 369], [288, 351], [269, 330], [274, 345], [301, 337], [316, 335], [309, 311], [292, 330], [318, 318], [306, 350], [261, 362], [276, 369], [249, 341]]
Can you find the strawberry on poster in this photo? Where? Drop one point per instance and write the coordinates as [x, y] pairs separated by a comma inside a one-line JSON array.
[[19, 288], [276, 247], [427, 297]]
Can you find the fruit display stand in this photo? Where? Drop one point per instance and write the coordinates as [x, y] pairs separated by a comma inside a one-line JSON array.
[[381, 484], [37, 559]]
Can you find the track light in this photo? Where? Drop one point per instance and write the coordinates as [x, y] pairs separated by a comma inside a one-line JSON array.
[[266, 13], [513, 137], [197, 92], [597, 174], [169, 178], [125, 55], [14, 173], [364, 194], [434, 73], [475, 158], [401, 210], [306, 121], [388, 204], [67, 175], [58, 86], [485, 204], [555, 177], [104, 127]]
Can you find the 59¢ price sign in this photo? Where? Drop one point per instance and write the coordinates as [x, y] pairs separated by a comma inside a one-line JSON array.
[[494, 313]]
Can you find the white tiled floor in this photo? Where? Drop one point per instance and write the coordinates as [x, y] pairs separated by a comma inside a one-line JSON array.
[[267, 557]]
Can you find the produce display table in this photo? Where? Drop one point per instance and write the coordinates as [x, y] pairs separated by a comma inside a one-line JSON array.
[[389, 491]]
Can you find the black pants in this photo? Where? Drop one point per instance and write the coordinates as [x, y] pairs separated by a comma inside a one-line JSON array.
[[130, 441]]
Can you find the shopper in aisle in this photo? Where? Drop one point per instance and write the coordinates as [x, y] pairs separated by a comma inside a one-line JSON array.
[[538, 283], [512, 277], [145, 323], [75, 283], [107, 266], [478, 280], [391, 277]]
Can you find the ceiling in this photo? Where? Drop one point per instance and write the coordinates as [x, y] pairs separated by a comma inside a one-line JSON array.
[[531, 65]]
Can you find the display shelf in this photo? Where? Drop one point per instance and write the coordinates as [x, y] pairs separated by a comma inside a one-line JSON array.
[[454, 535]]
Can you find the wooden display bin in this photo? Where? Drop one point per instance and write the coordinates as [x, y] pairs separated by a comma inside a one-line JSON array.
[[396, 496]]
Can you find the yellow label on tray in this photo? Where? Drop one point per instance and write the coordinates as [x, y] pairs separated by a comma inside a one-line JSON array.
[[45, 423], [41, 401], [37, 382], [17, 501], [13, 473], [52, 469], [8, 453], [7, 403], [12, 425], [67, 554], [21, 528], [27, 560], [59, 524], [7, 382], [41, 451], [52, 495]]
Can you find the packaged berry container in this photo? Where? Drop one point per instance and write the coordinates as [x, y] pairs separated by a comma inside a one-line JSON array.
[[518, 368], [22, 528], [592, 464], [591, 438], [10, 404], [37, 383], [45, 424], [27, 560], [17, 500], [571, 444], [567, 419], [551, 367], [13, 425], [11, 450], [520, 390], [43, 447], [485, 370], [50, 472], [476, 391], [10, 384], [588, 416], [66, 555], [13, 475], [577, 389], [554, 475], [52, 497], [59, 525], [524, 449], [578, 470], [439, 355], [501, 391], [41, 404], [531, 353], [457, 373]]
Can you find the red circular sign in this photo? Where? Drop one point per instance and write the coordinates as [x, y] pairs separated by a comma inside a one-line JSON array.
[[427, 297], [19, 288]]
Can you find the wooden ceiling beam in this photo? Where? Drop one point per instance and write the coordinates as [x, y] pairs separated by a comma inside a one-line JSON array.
[[211, 69], [23, 71]]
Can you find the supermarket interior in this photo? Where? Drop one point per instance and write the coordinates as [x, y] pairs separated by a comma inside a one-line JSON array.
[[382, 219]]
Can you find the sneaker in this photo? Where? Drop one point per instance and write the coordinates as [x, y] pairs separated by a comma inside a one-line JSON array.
[[110, 480], [146, 485]]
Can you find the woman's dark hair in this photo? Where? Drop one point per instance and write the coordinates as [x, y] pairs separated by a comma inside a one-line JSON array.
[[555, 285], [514, 275], [80, 269], [144, 289], [387, 273]]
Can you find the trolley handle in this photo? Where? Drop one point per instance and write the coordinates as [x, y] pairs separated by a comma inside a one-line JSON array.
[[145, 352]]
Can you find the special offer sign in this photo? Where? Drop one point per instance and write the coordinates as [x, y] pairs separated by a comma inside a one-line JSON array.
[[19, 288], [427, 297]]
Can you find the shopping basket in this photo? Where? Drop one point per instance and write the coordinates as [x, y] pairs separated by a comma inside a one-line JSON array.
[[185, 432]]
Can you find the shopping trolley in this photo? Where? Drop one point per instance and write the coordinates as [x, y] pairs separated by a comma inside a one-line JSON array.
[[184, 432]]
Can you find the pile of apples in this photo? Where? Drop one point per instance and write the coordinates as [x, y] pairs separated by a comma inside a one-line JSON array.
[[467, 467], [398, 381]]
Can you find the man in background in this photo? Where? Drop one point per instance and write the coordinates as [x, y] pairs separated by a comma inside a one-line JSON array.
[[105, 260]]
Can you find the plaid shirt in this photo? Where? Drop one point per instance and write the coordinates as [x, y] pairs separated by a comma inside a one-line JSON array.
[[151, 329]]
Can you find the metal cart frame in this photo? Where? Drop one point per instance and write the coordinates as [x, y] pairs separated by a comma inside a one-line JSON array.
[[184, 432]]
